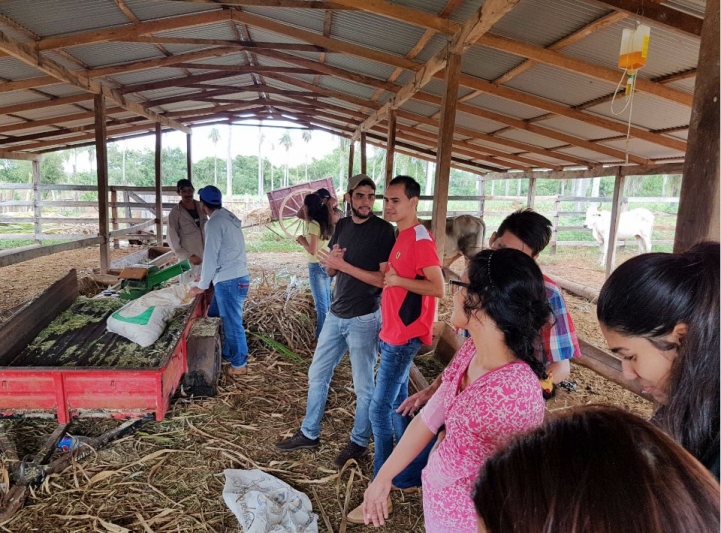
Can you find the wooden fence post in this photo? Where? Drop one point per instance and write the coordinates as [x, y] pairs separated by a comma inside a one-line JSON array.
[[101, 157], [114, 214], [531, 192], [481, 196], [618, 187], [364, 161], [158, 181], [556, 217], [37, 210]]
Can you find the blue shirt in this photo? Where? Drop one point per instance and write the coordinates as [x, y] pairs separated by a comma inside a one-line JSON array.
[[224, 254]]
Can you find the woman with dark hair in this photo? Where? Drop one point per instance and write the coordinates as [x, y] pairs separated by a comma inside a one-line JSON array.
[[660, 313], [596, 470], [489, 392], [318, 231]]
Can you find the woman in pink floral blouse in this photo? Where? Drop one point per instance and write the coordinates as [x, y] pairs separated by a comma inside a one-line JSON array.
[[489, 392]]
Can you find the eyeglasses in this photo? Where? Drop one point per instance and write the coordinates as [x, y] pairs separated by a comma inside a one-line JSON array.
[[457, 285]]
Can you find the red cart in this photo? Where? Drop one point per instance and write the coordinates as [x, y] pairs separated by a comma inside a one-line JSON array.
[[285, 203]]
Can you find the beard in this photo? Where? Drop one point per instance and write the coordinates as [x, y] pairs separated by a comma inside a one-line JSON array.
[[358, 214]]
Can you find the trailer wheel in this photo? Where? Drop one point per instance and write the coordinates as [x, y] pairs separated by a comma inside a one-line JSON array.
[[204, 352]]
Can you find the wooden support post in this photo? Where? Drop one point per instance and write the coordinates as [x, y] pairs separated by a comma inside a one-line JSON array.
[[390, 145], [188, 154], [364, 159], [114, 215], [351, 154], [481, 196], [618, 188], [445, 152], [531, 192], [698, 208], [128, 210], [101, 157], [37, 210], [556, 216], [158, 182]]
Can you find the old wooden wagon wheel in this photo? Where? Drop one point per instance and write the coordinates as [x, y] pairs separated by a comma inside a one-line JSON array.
[[291, 225]]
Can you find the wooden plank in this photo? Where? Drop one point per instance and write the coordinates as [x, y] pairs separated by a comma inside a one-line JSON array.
[[363, 158], [698, 210], [531, 200], [37, 210], [673, 18], [404, 14], [445, 151], [132, 229], [608, 366], [20, 156], [22, 327], [11, 257], [351, 153]]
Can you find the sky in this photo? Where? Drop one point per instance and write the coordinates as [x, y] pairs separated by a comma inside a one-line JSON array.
[[244, 141]]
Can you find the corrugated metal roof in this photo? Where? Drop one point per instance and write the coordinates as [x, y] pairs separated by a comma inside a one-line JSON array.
[[42, 17], [560, 85], [589, 155], [156, 9], [14, 69], [504, 106], [419, 108], [668, 51], [542, 23], [649, 112], [466, 10], [360, 65], [576, 128], [307, 19], [148, 75], [487, 63], [438, 87], [643, 148], [376, 32], [113, 53], [19, 97], [528, 137], [436, 44], [55, 111], [64, 89], [218, 30], [687, 85], [13, 34], [346, 86], [479, 124]]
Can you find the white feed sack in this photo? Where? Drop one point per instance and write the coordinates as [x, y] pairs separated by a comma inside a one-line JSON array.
[[143, 320]]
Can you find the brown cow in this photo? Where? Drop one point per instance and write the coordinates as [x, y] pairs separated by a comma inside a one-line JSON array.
[[465, 235]]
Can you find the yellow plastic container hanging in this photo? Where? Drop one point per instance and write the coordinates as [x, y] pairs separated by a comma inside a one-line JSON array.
[[634, 51]]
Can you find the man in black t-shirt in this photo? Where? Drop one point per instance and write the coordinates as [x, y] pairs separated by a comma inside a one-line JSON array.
[[357, 258]]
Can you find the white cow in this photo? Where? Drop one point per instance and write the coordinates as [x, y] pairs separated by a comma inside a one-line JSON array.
[[636, 223]]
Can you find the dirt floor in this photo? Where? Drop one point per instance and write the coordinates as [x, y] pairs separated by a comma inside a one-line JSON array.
[[168, 476]]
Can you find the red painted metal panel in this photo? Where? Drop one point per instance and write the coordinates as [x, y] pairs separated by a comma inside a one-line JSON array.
[[92, 391]]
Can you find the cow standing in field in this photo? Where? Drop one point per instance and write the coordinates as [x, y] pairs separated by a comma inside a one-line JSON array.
[[636, 223], [465, 235]]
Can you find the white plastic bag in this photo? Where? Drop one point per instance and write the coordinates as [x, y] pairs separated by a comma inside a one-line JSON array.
[[263, 503], [143, 320]]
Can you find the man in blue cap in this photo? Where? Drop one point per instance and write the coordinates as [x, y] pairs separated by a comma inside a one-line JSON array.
[[225, 265]]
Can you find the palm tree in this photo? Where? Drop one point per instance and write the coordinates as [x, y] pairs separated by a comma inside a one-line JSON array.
[[306, 139], [286, 142], [261, 138], [214, 137]]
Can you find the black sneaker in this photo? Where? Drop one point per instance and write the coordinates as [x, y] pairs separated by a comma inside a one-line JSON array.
[[351, 451], [297, 442]]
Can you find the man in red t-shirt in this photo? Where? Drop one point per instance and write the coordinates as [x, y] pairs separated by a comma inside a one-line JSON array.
[[412, 281]]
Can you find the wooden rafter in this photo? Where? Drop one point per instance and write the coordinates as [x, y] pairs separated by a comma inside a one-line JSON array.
[[672, 18], [490, 13], [25, 53], [404, 14]]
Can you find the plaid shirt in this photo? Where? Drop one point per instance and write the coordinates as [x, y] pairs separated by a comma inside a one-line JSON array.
[[559, 335]]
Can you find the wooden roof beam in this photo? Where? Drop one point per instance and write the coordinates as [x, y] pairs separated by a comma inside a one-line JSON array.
[[20, 156], [144, 28], [239, 45], [550, 57], [302, 4], [490, 13], [26, 53], [404, 14], [38, 104], [328, 43], [672, 18]]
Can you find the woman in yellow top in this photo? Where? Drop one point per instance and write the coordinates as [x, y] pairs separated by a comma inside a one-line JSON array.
[[317, 233]]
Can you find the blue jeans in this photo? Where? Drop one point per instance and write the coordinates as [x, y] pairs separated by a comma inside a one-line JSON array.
[[227, 303], [320, 289], [390, 392], [359, 336]]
